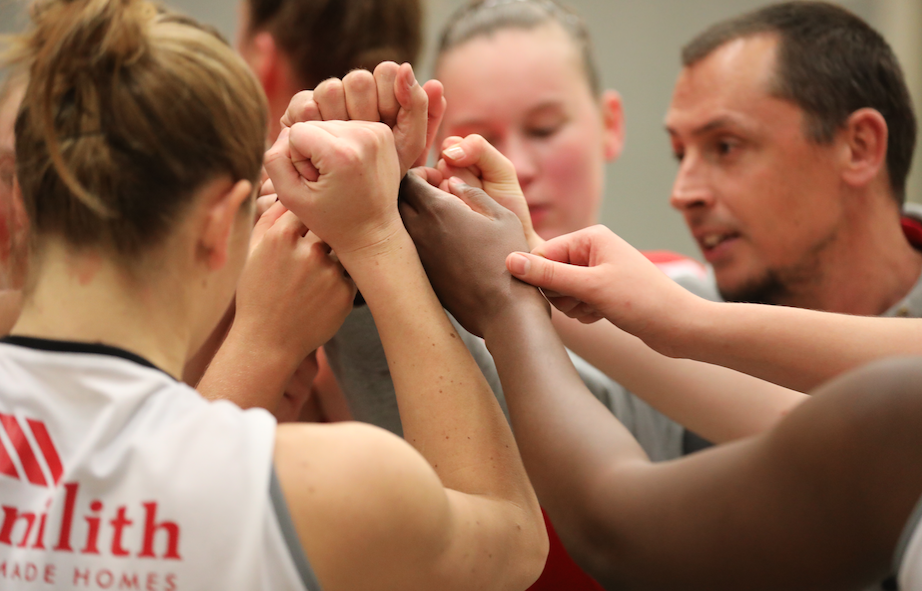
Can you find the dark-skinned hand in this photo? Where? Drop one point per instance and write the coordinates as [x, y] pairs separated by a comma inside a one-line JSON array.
[[463, 238]]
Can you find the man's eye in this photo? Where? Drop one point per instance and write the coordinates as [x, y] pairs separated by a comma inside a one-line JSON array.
[[678, 155], [726, 147]]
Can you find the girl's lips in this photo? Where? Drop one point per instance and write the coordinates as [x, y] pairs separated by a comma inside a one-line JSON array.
[[538, 214]]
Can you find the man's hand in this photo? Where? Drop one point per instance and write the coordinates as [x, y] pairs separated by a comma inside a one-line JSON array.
[[292, 296], [463, 238], [593, 274], [341, 179], [479, 164], [391, 95]]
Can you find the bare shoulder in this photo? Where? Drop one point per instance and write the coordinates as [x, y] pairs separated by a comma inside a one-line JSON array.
[[359, 495]]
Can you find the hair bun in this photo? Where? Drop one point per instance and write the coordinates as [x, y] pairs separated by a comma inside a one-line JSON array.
[[70, 34]]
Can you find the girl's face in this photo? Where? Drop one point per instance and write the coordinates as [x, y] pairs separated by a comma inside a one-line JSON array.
[[527, 93]]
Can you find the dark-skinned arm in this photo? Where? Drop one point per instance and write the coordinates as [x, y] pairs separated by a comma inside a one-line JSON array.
[[818, 502]]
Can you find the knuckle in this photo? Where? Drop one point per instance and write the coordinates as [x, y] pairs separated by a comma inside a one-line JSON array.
[[359, 80], [329, 89]]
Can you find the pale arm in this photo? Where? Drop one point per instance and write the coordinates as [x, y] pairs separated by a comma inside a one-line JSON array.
[[715, 402], [593, 274], [487, 523]]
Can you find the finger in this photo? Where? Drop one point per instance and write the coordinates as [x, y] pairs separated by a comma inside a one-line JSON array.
[[265, 221], [267, 188], [361, 96], [436, 111], [468, 175], [412, 119], [540, 272], [263, 204], [476, 199], [314, 241], [430, 175], [304, 139], [450, 141], [301, 108], [385, 75], [590, 318], [331, 100], [289, 223], [285, 177], [563, 303], [474, 150]]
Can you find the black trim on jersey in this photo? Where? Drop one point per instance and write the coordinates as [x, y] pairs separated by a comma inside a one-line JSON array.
[[290, 534], [56, 346]]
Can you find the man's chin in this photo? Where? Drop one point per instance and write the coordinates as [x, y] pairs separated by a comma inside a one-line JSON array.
[[765, 289]]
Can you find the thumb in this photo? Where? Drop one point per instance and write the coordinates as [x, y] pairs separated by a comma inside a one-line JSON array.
[[559, 278]]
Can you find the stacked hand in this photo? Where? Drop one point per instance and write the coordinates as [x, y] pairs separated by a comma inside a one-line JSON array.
[[479, 164], [463, 237], [292, 296], [391, 95], [593, 274]]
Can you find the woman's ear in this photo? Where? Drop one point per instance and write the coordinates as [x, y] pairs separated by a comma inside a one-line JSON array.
[[222, 209], [613, 125]]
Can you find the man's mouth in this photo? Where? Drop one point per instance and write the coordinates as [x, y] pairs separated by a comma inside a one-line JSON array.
[[712, 240]]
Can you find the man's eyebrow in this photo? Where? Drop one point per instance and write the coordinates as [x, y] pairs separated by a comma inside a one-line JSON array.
[[710, 126]]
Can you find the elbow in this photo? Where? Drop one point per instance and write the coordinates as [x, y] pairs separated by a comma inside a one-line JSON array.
[[534, 554], [532, 550]]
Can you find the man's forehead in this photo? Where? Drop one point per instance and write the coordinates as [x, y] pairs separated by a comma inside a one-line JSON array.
[[729, 83]]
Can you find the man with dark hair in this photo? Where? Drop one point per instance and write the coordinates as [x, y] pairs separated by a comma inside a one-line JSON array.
[[794, 131]]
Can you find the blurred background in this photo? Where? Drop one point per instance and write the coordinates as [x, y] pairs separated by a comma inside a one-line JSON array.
[[638, 45]]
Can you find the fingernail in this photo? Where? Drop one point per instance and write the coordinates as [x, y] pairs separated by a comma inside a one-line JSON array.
[[518, 264], [411, 81], [454, 152]]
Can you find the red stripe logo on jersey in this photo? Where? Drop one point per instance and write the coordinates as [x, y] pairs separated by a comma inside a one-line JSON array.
[[27, 452]]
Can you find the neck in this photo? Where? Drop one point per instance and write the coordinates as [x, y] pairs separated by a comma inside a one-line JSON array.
[[88, 298], [865, 270]]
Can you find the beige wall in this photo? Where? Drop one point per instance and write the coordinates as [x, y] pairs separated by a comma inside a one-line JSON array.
[[638, 43]]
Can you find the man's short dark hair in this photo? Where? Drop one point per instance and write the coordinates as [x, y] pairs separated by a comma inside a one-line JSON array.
[[831, 64], [330, 38]]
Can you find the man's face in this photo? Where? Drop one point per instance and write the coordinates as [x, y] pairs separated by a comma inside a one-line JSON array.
[[762, 201], [526, 92]]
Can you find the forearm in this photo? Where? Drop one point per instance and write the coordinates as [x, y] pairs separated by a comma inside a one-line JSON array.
[[717, 403], [249, 375], [796, 348], [568, 439], [448, 411]]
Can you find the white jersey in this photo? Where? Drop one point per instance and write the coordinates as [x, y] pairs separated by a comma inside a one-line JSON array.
[[114, 476], [908, 559]]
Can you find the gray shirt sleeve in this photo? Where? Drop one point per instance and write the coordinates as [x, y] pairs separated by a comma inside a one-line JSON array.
[[357, 359]]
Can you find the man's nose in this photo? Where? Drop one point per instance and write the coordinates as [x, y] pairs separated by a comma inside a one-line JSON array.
[[691, 189]]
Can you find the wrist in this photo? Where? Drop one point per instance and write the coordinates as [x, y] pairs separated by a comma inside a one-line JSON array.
[[528, 307], [382, 243], [250, 342], [683, 331]]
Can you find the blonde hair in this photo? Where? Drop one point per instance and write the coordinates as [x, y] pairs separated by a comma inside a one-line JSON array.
[[129, 109]]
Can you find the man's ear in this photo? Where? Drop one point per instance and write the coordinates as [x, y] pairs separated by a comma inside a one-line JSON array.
[[613, 125], [864, 138], [222, 209]]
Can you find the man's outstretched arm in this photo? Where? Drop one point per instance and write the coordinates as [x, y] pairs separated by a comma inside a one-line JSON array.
[[598, 275]]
